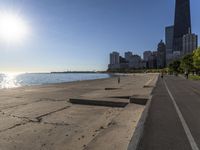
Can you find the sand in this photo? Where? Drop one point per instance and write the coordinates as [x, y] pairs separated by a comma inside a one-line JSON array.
[[42, 118]]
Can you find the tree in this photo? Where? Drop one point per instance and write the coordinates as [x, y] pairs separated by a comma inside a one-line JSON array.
[[187, 63], [175, 66], [196, 59]]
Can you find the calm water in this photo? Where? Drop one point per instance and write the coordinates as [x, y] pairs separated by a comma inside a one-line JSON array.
[[17, 80]]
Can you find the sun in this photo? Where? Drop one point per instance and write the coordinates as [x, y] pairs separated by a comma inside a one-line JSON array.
[[13, 28]]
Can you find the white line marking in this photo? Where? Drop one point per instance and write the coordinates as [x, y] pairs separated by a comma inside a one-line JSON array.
[[184, 124]]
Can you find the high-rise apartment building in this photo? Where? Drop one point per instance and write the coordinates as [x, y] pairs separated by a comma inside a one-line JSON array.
[[190, 43], [114, 58], [135, 62]]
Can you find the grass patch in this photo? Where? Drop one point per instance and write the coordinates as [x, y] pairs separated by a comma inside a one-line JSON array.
[[194, 77]]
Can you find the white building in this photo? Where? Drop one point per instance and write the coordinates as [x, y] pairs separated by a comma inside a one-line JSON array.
[[114, 60]]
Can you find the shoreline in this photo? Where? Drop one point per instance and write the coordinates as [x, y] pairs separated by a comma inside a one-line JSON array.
[[69, 82], [112, 75]]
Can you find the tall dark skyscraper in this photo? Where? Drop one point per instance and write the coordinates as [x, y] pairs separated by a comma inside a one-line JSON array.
[[182, 23]]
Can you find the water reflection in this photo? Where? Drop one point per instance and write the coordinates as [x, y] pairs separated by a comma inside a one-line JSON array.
[[13, 80], [9, 80]]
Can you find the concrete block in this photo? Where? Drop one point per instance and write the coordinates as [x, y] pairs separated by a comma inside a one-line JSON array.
[[100, 102], [138, 99]]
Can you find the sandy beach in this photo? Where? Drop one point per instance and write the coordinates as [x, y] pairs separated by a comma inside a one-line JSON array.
[[43, 118]]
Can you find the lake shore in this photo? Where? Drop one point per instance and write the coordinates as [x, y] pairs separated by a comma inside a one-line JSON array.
[[41, 117]]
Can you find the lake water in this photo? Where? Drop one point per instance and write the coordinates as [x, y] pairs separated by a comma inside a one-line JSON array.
[[27, 79]]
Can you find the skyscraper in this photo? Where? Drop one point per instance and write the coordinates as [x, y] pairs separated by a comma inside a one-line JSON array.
[[169, 32], [190, 43], [182, 23], [161, 55], [114, 60]]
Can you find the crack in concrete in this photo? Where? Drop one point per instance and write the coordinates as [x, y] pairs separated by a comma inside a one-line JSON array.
[[38, 119], [18, 117], [53, 100], [16, 125], [56, 124], [40, 100], [23, 104], [110, 124]]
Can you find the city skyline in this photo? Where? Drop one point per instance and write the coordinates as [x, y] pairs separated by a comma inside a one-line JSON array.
[[68, 35], [179, 42]]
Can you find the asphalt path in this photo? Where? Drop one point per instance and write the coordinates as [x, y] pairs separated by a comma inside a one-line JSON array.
[[173, 122]]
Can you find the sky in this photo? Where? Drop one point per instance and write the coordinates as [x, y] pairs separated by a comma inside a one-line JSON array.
[[79, 34]]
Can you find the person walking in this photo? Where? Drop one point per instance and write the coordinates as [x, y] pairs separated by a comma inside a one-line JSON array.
[[162, 74], [186, 74], [118, 80]]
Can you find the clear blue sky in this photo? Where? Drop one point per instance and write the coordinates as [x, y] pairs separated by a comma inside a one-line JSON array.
[[80, 34]]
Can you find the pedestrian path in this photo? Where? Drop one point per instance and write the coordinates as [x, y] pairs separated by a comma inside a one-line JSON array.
[[163, 129]]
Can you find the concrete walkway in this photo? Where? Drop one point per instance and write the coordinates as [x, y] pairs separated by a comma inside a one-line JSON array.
[[173, 122], [42, 118]]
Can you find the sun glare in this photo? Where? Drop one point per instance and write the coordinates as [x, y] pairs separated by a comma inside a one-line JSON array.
[[12, 28]]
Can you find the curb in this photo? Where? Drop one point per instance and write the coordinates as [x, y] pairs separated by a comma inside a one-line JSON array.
[[152, 82], [140, 128], [138, 133]]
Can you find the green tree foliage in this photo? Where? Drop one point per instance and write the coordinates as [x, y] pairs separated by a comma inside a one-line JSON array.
[[196, 59], [187, 63], [175, 66]]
